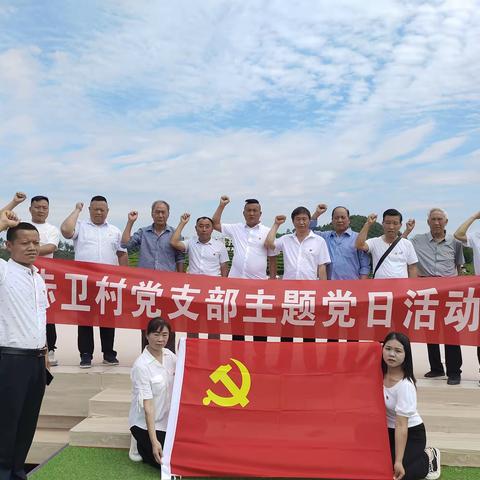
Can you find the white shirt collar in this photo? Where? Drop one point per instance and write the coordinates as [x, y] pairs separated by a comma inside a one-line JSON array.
[[31, 269]]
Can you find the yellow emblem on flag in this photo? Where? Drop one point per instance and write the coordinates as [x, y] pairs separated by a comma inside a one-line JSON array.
[[238, 393]]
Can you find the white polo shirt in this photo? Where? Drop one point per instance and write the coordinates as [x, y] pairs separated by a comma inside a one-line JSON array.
[[49, 235], [97, 243], [23, 305], [301, 259], [205, 258], [396, 264], [250, 257], [151, 379], [473, 241]]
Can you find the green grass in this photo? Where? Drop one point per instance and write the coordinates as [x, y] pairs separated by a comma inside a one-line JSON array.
[[78, 463]]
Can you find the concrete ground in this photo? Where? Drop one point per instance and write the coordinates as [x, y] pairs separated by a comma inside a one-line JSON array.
[[127, 344]]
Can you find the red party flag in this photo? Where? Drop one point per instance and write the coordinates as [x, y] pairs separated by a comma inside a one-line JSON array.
[[271, 409]]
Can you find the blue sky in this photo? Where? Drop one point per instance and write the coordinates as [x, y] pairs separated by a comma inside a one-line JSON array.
[[368, 104]]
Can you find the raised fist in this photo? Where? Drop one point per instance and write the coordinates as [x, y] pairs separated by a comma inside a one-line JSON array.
[[19, 197], [79, 206], [224, 200], [410, 224], [8, 219], [372, 218], [279, 219], [132, 216], [477, 215], [185, 218], [321, 209]]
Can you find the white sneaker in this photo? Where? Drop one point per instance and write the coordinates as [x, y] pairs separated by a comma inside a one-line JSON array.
[[133, 453], [51, 358], [433, 464]]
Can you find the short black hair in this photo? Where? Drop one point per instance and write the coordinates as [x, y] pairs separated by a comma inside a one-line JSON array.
[[341, 206], [204, 218], [98, 198], [39, 198], [301, 211], [157, 325], [248, 201], [12, 232], [392, 212]]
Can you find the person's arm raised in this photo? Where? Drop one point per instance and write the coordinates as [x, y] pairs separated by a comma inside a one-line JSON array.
[[176, 241], [461, 232], [17, 199], [68, 226], [217, 216], [272, 234], [8, 219], [361, 240]]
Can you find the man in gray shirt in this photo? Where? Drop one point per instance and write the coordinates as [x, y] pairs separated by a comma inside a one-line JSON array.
[[440, 255], [153, 242]]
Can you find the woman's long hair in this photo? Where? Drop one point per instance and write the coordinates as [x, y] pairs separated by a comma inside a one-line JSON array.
[[407, 365]]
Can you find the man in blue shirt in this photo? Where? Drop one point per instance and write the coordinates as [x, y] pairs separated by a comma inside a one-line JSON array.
[[347, 263]]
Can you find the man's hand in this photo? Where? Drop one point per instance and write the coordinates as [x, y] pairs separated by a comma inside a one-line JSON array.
[[8, 219], [410, 225], [157, 451], [279, 219], [132, 216], [19, 197], [224, 200], [321, 209], [184, 218], [79, 206], [477, 216], [372, 219]]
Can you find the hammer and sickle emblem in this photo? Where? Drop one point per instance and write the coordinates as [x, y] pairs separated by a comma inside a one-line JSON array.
[[239, 393]]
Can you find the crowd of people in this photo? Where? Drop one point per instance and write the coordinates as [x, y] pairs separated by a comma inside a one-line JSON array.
[[308, 255]]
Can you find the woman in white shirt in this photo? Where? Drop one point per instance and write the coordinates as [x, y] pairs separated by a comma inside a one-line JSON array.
[[406, 431], [152, 383]]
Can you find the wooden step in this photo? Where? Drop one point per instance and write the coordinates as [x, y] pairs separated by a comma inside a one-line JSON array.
[[46, 442], [108, 432], [434, 391], [58, 422], [457, 449]]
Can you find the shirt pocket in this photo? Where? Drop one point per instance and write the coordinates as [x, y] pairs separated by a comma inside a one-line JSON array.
[[159, 385]]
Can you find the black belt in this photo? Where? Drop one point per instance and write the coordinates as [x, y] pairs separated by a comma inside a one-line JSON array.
[[29, 352]]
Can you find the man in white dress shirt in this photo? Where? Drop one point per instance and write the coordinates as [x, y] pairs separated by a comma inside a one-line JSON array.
[[97, 241], [23, 304], [250, 254], [305, 255]]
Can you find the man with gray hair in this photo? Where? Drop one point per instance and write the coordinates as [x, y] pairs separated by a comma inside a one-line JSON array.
[[440, 255], [153, 242]]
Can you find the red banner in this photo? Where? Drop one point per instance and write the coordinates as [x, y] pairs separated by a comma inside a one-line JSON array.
[[433, 310], [271, 409]]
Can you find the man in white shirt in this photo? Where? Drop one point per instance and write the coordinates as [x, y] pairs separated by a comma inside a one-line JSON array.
[[305, 255], [402, 260], [49, 240], [206, 255], [97, 241], [250, 254], [471, 239], [23, 304]]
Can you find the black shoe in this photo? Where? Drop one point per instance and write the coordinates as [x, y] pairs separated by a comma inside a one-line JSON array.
[[110, 360], [454, 380], [434, 374], [85, 360]]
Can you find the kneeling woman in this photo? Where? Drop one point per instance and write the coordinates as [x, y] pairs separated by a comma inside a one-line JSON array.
[[152, 383], [411, 460]]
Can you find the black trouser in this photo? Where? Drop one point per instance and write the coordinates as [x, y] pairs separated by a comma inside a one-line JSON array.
[[144, 445], [51, 336], [22, 385], [453, 359], [415, 460], [85, 340]]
